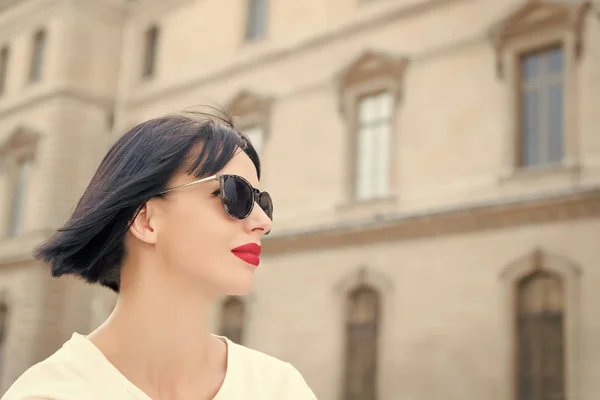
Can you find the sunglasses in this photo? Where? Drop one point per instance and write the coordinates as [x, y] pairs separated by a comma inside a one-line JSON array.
[[237, 195]]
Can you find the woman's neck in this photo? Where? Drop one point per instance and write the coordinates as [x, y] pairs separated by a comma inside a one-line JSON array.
[[160, 342]]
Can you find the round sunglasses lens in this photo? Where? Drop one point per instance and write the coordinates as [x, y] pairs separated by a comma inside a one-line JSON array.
[[266, 203], [237, 197]]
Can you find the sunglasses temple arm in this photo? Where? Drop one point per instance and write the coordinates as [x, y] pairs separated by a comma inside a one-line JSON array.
[[210, 178]]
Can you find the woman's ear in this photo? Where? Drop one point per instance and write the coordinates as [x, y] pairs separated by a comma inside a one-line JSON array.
[[142, 225]]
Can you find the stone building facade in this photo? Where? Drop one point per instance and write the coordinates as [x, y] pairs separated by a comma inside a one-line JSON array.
[[404, 263]]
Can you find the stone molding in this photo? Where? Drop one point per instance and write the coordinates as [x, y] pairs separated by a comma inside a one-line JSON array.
[[476, 218]]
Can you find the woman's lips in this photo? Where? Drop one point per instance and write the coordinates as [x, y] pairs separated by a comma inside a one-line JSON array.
[[249, 252]]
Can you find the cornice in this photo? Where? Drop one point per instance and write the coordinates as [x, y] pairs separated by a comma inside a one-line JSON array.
[[574, 205]]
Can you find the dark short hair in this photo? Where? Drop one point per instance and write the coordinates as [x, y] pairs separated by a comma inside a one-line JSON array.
[[137, 168]]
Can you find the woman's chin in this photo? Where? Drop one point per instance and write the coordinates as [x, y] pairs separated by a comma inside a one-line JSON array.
[[239, 283]]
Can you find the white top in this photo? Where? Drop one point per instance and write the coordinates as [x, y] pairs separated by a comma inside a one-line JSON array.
[[79, 370]]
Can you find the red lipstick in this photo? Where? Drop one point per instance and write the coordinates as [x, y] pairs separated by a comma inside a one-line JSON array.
[[248, 252]]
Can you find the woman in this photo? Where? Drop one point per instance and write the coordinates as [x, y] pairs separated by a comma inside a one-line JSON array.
[[171, 220]]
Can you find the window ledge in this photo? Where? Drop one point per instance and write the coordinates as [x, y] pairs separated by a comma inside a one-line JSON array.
[[565, 169]]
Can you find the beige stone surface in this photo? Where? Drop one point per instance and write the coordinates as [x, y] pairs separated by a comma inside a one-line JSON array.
[[445, 328]]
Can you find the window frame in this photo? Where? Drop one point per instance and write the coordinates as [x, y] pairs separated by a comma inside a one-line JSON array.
[[20, 146], [351, 326], [357, 151], [519, 33], [524, 321], [371, 73], [519, 112]]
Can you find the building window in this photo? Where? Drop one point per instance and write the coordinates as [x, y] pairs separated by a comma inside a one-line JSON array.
[[37, 56], [257, 19], [232, 319], [252, 114], [17, 153], [373, 146], [255, 134], [543, 327], [541, 107], [541, 337], [3, 332], [19, 197], [369, 91], [537, 47], [362, 326], [150, 52], [4, 57]]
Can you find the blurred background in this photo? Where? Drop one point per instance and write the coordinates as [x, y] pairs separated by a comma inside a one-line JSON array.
[[435, 166]]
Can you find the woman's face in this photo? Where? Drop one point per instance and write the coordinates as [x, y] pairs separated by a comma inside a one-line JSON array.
[[194, 237]]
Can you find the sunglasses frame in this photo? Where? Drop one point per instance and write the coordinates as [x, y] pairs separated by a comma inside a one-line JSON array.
[[220, 178]]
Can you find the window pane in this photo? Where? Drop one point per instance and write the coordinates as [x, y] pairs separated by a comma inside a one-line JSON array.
[[37, 56], [364, 164], [382, 171], [3, 333], [150, 50], [376, 108], [555, 60], [366, 110], [540, 337], [530, 67], [383, 106], [373, 146], [542, 107], [530, 128], [257, 18], [4, 54], [362, 322], [555, 123]]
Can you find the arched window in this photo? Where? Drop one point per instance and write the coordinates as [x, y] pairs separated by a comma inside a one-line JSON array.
[[232, 319], [540, 337], [362, 326]]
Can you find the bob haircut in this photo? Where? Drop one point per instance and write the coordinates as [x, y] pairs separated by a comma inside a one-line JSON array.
[[137, 167]]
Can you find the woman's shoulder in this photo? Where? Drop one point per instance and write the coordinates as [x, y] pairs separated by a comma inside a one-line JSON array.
[[49, 379], [56, 377], [261, 368], [250, 358]]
